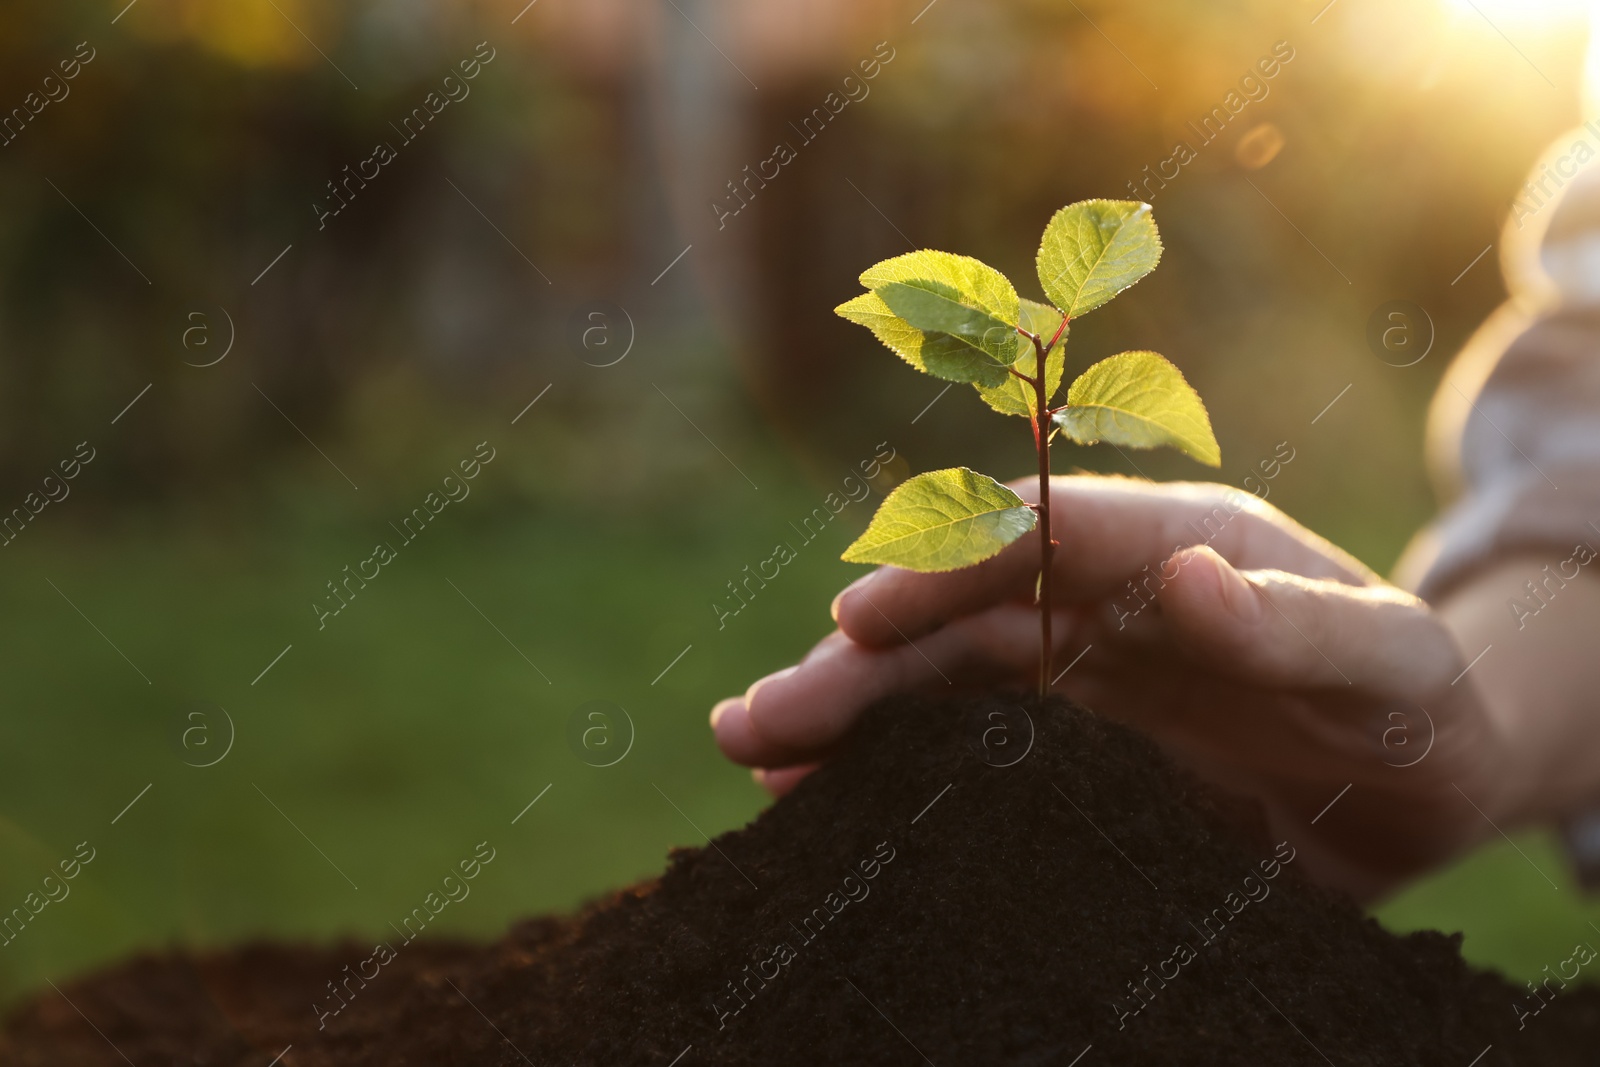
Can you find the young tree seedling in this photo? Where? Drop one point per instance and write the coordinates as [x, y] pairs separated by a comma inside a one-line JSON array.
[[962, 321]]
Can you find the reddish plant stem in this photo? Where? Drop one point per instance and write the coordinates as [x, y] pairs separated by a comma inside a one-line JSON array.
[[1047, 545], [1041, 444]]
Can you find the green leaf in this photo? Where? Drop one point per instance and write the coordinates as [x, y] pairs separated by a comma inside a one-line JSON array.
[[936, 311], [1041, 319], [938, 354], [955, 361], [970, 281], [1140, 400], [1094, 249], [902, 338], [1014, 396], [939, 293], [942, 521]]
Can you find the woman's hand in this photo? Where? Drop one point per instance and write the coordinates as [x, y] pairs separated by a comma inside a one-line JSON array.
[[1269, 661]]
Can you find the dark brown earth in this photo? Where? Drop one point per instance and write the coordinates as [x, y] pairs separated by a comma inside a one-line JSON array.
[[910, 903]]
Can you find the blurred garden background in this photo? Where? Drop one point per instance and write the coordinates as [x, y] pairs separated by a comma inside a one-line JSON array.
[[274, 364]]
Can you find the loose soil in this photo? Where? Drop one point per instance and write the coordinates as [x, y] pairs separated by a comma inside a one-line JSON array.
[[910, 903]]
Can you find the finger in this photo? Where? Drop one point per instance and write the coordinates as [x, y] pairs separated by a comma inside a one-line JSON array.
[[1271, 628], [779, 781], [802, 712], [1110, 531], [730, 725]]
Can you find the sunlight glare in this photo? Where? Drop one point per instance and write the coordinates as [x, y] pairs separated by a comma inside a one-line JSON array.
[[1506, 15]]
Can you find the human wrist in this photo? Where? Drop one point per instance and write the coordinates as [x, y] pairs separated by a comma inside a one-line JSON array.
[[1539, 751]]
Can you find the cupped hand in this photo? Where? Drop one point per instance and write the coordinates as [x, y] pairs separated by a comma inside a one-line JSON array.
[[1264, 658]]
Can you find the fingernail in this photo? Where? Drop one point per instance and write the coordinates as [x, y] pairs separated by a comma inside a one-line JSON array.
[[1238, 595], [859, 583], [722, 706], [750, 694]]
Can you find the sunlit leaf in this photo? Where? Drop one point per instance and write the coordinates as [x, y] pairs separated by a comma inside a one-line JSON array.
[[1014, 396], [973, 282], [941, 294], [902, 338], [1139, 400], [1094, 249], [938, 354], [937, 311], [942, 521]]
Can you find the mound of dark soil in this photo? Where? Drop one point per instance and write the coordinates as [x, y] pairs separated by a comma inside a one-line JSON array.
[[911, 903]]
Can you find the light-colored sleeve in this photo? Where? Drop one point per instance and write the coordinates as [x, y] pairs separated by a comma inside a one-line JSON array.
[[1514, 430]]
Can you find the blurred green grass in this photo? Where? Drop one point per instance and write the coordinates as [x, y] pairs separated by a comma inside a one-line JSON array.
[[1514, 899], [396, 739], [410, 729]]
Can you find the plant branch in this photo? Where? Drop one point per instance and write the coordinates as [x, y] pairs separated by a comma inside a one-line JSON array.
[[1042, 436], [1059, 331], [1041, 443]]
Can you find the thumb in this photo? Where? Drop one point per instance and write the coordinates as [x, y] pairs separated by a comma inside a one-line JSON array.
[[1273, 628]]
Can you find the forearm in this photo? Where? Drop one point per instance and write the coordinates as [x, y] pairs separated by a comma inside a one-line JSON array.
[[1540, 678]]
